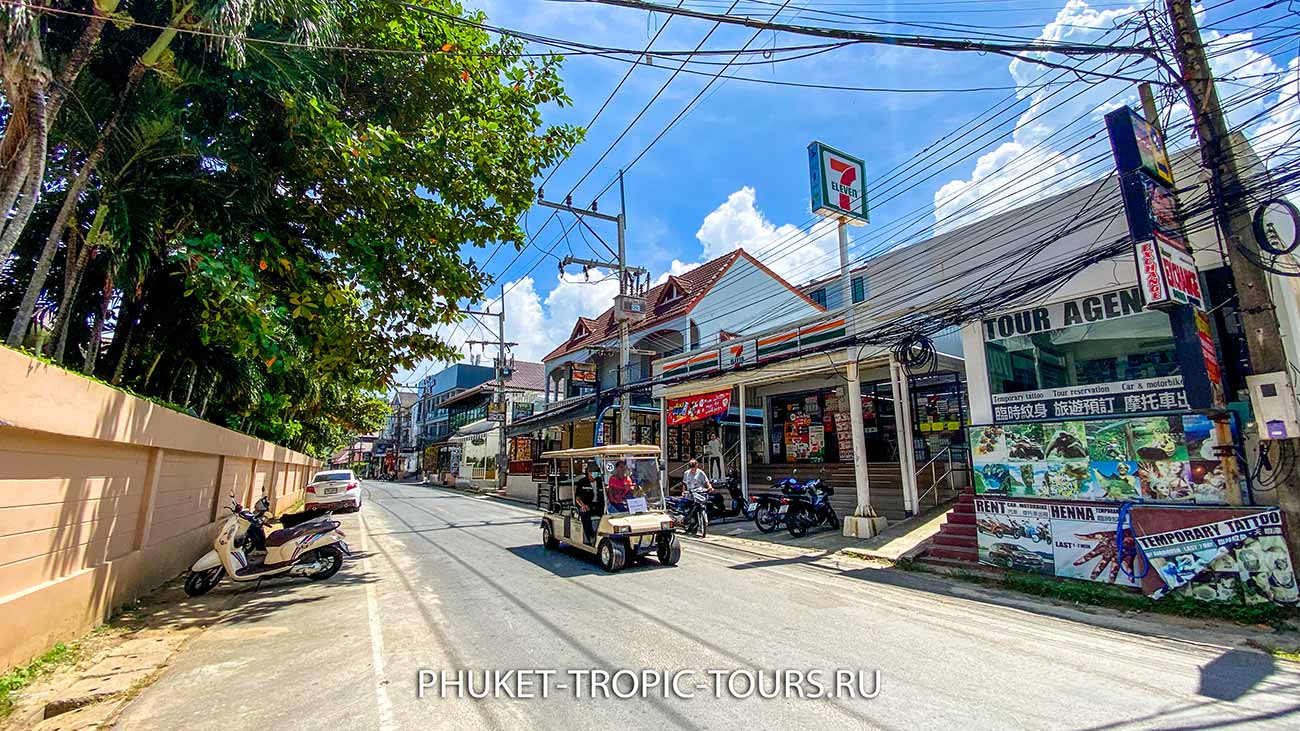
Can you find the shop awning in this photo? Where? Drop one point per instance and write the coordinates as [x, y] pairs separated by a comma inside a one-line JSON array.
[[472, 429], [581, 408]]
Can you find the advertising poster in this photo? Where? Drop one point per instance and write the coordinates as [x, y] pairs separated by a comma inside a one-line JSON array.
[[1083, 541], [1014, 535], [1213, 554], [1163, 459]]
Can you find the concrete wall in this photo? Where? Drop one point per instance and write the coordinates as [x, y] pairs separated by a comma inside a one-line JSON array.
[[104, 496]]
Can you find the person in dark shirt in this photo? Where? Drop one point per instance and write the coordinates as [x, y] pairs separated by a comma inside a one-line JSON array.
[[584, 496]]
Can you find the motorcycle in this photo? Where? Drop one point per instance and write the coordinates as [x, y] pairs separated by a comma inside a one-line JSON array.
[[733, 504], [811, 508], [313, 548], [770, 509], [688, 520]]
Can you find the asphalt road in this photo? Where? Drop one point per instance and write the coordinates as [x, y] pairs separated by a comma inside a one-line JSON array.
[[447, 582]]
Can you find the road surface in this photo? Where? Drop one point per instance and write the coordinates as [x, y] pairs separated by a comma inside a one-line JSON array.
[[447, 582]]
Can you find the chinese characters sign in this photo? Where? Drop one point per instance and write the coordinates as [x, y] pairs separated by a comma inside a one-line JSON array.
[[700, 406], [1146, 395]]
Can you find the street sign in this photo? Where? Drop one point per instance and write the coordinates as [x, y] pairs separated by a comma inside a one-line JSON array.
[[839, 184]]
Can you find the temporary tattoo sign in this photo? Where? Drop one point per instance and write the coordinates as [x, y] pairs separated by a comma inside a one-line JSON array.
[[1216, 553], [700, 406]]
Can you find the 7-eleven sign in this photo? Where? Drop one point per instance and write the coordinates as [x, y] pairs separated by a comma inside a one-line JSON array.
[[839, 183]]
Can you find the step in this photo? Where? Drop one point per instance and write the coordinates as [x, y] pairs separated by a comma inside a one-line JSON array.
[[961, 518], [957, 529], [955, 541], [968, 554]]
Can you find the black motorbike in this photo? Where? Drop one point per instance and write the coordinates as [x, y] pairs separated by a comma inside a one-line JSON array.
[[811, 508], [727, 500], [771, 508]]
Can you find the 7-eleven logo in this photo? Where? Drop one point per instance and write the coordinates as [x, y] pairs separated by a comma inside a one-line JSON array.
[[844, 185]]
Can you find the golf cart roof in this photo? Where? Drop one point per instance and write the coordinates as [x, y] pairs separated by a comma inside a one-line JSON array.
[[610, 450]]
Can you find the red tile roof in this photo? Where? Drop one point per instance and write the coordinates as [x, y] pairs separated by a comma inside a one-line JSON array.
[[694, 284]]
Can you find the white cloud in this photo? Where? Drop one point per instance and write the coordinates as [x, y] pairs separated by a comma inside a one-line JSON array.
[[786, 249], [538, 323], [1045, 155]]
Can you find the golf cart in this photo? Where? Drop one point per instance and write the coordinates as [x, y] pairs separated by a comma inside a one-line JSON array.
[[620, 485]]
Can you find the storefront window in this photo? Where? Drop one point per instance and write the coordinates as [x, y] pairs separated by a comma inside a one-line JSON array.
[[1130, 348]]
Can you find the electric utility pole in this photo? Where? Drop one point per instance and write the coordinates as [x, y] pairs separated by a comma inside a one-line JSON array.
[[499, 398], [1254, 301], [629, 279]]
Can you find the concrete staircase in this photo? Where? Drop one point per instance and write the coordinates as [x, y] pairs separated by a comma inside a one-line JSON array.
[[955, 545]]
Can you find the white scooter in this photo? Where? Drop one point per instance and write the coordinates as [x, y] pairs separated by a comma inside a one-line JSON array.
[[314, 549]]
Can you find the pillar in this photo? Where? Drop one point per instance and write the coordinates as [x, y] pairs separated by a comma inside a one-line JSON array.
[[903, 421], [744, 443], [663, 445]]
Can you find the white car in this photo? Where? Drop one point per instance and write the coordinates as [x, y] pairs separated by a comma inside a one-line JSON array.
[[333, 490]]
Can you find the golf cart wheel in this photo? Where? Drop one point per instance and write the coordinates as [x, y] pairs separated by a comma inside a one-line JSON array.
[[201, 582], [765, 519], [548, 538], [332, 557], [669, 550], [612, 555]]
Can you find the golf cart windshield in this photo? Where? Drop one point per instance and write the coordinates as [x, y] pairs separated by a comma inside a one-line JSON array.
[[631, 484]]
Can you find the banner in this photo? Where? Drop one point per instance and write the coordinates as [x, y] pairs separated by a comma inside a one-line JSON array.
[[700, 406], [1215, 553], [1169, 459]]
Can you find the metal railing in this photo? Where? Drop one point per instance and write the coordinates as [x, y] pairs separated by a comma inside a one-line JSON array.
[[933, 465]]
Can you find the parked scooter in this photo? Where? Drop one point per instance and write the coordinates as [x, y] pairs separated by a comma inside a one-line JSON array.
[[811, 508], [770, 508], [732, 504], [313, 548], [693, 522]]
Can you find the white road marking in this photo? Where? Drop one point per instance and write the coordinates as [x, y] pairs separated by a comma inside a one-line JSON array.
[[385, 704]]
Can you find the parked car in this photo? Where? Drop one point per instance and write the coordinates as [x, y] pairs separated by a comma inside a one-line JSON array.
[[1011, 556], [336, 490]]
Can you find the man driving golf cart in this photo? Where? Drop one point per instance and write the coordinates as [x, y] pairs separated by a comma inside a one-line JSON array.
[[616, 501]]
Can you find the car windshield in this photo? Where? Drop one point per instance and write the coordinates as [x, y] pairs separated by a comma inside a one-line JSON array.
[[632, 484], [343, 476]]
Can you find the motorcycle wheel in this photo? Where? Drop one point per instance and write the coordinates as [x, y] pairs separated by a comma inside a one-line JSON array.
[[832, 519], [797, 524], [333, 557], [202, 582], [669, 550], [766, 520]]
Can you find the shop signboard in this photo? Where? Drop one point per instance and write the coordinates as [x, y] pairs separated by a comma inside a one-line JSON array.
[[521, 410], [839, 184], [1079, 311], [823, 332], [583, 373], [737, 354], [700, 406], [777, 344], [496, 412], [1014, 534], [1138, 146], [1215, 554], [1145, 395], [697, 363]]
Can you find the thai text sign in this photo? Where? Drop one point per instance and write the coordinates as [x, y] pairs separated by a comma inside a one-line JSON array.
[[699, 406]]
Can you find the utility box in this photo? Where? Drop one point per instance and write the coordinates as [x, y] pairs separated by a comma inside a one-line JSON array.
[[1273, 400], [629, 308]]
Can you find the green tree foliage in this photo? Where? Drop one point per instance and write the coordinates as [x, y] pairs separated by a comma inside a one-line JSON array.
[[272, 229]]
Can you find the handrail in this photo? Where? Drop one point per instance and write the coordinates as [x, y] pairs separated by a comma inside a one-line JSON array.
[[935, 478]]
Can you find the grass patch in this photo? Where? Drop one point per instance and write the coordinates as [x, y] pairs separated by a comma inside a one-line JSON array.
[[19, 678], [1283, 654], [1107, 595]]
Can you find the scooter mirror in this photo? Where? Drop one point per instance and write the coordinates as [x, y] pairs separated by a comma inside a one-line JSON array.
[[263, 505]]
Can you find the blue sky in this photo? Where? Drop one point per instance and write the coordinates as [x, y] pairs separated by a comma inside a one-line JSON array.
[[733, 172]]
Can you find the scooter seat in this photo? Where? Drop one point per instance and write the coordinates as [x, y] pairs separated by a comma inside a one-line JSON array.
[[284, 535]]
